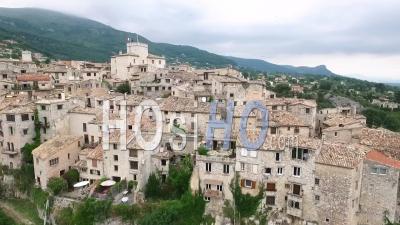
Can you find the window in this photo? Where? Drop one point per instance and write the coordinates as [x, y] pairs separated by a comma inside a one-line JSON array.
[[248, 183], [219, 187], [4, 76], [242, 166], [115, 168], [24, 117], [316, 181], [296, 171], [335, 134], [296, 130], [299, 153], [115, 146], [308, 110], [270, 200], [273, 130], [226, 168], [163, 162], [294, 204], [267, 171], [277, 156], [43, 107], [280, 171], [208, 167], [115, 157], [84, 127], [274, 107], [316, 197], [25, 131], [59, 107], [296, 189], [10, 117], [133, 153], [11, 130], [129, 127], [379, 170], [53, 162], [134, 165], [231, 95], [208, 186], [271, 187]]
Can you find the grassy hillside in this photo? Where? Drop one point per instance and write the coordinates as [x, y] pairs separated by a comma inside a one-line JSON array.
[[65, 36], [70, 37], [264, 66]]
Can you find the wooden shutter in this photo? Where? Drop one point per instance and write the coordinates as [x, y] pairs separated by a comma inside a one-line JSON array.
[[253, 185], [242, 183]]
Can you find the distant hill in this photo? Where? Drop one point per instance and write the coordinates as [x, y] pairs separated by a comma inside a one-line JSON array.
[[261, 65], [394, 84], [64, 36]]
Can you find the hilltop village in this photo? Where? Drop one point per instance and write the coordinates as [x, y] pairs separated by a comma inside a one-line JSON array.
[[334, 170]]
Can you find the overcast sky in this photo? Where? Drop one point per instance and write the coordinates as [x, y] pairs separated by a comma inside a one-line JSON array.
[[359, 38]]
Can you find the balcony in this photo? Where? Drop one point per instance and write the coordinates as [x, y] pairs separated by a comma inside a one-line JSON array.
[[9, 152], [215, 194], [294, 205]]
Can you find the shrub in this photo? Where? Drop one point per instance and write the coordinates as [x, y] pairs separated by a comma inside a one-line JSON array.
[[124, 88], [57, 185], [202, 150], [72, 177], [92, 211], [153, 187]]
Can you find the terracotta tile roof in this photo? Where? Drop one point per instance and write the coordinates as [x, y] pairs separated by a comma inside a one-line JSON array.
[[383, 140], [54, 145], [96, 153], [33, 77], [284, 118], [290, 101], [341, 155], [176, 104], [342, 120], [383, 159], [28, 108], [85, 110]]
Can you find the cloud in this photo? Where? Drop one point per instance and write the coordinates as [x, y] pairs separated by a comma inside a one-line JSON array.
[[289, 31]]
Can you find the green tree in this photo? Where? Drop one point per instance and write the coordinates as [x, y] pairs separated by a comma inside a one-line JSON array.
[[202, 150], [29, 147], [57, 185], [124, 88], [397, 96], [245, 204], [152, 189], [325, 85], [283, 90], [72, 177], [92, 211], [179, 177]]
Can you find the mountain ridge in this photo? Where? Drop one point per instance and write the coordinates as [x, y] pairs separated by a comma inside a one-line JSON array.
[[66, 36]]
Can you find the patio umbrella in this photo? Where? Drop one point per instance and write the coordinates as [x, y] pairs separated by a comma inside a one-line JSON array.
[[107, 183], [81, 184]]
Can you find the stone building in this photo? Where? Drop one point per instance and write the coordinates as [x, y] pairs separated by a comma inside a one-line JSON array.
[[136, 60], [338, 173], [55, 157], [17, 128]]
